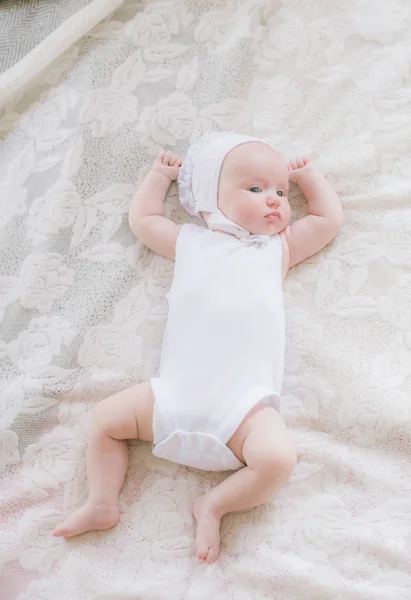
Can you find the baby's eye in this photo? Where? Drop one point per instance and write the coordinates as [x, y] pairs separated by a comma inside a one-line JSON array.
[[255, 189], [280, 193]]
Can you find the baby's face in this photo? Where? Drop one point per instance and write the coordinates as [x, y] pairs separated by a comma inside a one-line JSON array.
[[253, 189]]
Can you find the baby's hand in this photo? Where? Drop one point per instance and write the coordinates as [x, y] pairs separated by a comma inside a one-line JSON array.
[[298, 167], [168, 164]]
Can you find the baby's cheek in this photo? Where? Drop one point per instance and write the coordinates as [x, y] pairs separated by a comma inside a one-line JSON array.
[[286, 211], [248, 211]]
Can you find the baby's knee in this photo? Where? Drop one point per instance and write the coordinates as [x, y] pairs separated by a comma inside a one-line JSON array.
[[103, 418], [278, 464]]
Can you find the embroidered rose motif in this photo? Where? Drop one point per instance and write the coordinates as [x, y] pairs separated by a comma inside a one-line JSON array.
[[169, 120], [110, 347], [43, 280], [57, 209]]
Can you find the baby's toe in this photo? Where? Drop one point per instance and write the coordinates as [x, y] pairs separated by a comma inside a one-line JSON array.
[[211, 556], [202, 553]]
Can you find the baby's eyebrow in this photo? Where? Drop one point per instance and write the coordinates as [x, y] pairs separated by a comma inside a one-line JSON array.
[[247, 178]]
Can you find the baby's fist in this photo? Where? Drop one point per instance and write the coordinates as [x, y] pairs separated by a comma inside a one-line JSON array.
[[298, 167], [168, 164]]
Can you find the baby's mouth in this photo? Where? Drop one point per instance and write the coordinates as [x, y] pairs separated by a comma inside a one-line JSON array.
[[273, 216]]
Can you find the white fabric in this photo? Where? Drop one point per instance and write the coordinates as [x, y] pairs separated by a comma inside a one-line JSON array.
[[218, 222], [42, 56], [223, 349], [25, 23], [83, 305]]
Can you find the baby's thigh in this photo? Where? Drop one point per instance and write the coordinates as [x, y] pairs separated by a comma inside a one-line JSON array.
[[127, 414], [263, 440]]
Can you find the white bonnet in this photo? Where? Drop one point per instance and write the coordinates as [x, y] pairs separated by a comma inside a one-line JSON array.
[[199, 175]]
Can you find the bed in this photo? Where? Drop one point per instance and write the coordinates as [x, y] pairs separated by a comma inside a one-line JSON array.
[[83, 305]]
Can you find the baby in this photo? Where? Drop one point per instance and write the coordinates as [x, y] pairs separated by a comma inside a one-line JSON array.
[[215, 404]]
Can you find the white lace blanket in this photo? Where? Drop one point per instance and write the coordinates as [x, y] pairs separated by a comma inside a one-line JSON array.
[[83, 306]]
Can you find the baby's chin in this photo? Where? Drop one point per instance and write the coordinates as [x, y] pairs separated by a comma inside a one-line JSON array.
[[270, 228]]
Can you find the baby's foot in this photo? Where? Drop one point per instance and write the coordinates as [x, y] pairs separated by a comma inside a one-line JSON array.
[[208, 531], [88, 518]]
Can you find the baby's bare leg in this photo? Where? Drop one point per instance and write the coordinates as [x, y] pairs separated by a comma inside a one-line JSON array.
[[126, 415], [263, 442]]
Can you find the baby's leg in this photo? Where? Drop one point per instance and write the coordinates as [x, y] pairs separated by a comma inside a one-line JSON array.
[[264, 443], [126, 415]]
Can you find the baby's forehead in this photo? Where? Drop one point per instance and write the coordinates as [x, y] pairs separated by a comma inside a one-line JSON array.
[[254, 157]]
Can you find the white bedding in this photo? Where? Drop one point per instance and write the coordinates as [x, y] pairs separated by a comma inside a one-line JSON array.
[[83, 307]]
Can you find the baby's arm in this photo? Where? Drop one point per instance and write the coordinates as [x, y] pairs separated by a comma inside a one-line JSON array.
[[309, 235], [146, 216]]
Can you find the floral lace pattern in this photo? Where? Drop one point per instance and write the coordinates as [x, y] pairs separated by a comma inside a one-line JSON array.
[[83, 305]]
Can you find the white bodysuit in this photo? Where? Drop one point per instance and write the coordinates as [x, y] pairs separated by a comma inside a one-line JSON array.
[[223, 349]]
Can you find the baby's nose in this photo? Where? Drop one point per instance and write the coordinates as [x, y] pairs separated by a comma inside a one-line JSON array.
[[272, 200]]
